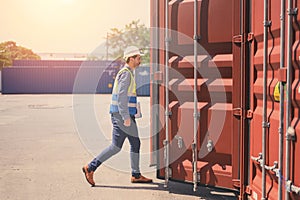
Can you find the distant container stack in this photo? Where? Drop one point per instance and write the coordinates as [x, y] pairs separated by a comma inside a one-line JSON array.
[[66, 77]]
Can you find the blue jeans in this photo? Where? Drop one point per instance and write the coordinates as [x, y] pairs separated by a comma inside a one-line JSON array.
[[119, 134]]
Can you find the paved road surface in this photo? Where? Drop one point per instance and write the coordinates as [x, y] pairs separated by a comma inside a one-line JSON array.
[[43, 145]]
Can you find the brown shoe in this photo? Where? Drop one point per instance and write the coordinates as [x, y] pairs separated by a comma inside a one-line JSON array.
[[141, 179], [88, 175]]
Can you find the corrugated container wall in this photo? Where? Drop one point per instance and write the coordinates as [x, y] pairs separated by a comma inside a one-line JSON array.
[[66, 77], [142, 78], [232, 132]]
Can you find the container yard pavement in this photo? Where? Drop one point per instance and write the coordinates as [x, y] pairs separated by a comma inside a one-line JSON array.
[[42, 154]]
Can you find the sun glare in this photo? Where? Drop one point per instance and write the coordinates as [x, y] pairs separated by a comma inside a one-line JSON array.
[[67, 1]]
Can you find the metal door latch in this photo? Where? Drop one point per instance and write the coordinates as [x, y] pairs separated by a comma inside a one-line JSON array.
[[210, 145], [179, 141]]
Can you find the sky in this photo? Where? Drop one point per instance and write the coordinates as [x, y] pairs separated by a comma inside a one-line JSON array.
[[67, 26]]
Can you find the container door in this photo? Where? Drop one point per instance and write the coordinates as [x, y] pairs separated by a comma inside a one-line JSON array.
[[218, 129], [274, 75]]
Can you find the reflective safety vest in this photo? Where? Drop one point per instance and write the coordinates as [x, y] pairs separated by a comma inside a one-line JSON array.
[[131, 94]]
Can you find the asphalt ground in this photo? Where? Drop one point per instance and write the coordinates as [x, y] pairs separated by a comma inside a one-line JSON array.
[[46, 139]]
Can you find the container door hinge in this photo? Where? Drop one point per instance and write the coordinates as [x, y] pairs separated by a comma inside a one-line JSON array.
[[237, 39], [242, 38], [248, 190], [236, 183], [238, 112], [250, 37], [249, 114]]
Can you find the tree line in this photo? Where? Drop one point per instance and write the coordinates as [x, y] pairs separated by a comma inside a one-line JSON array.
[[10, 51], [117, 40]]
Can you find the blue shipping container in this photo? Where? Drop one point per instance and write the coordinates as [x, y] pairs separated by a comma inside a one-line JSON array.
[[67, 77], [89, 77], [142, 78]]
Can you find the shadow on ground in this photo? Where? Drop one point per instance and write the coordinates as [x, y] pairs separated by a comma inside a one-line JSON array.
[[203, 192]]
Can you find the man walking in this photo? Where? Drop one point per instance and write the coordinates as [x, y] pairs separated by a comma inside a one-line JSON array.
[[122, 110]]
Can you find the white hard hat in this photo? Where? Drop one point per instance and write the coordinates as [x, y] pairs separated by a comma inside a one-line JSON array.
[[131, 51]]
